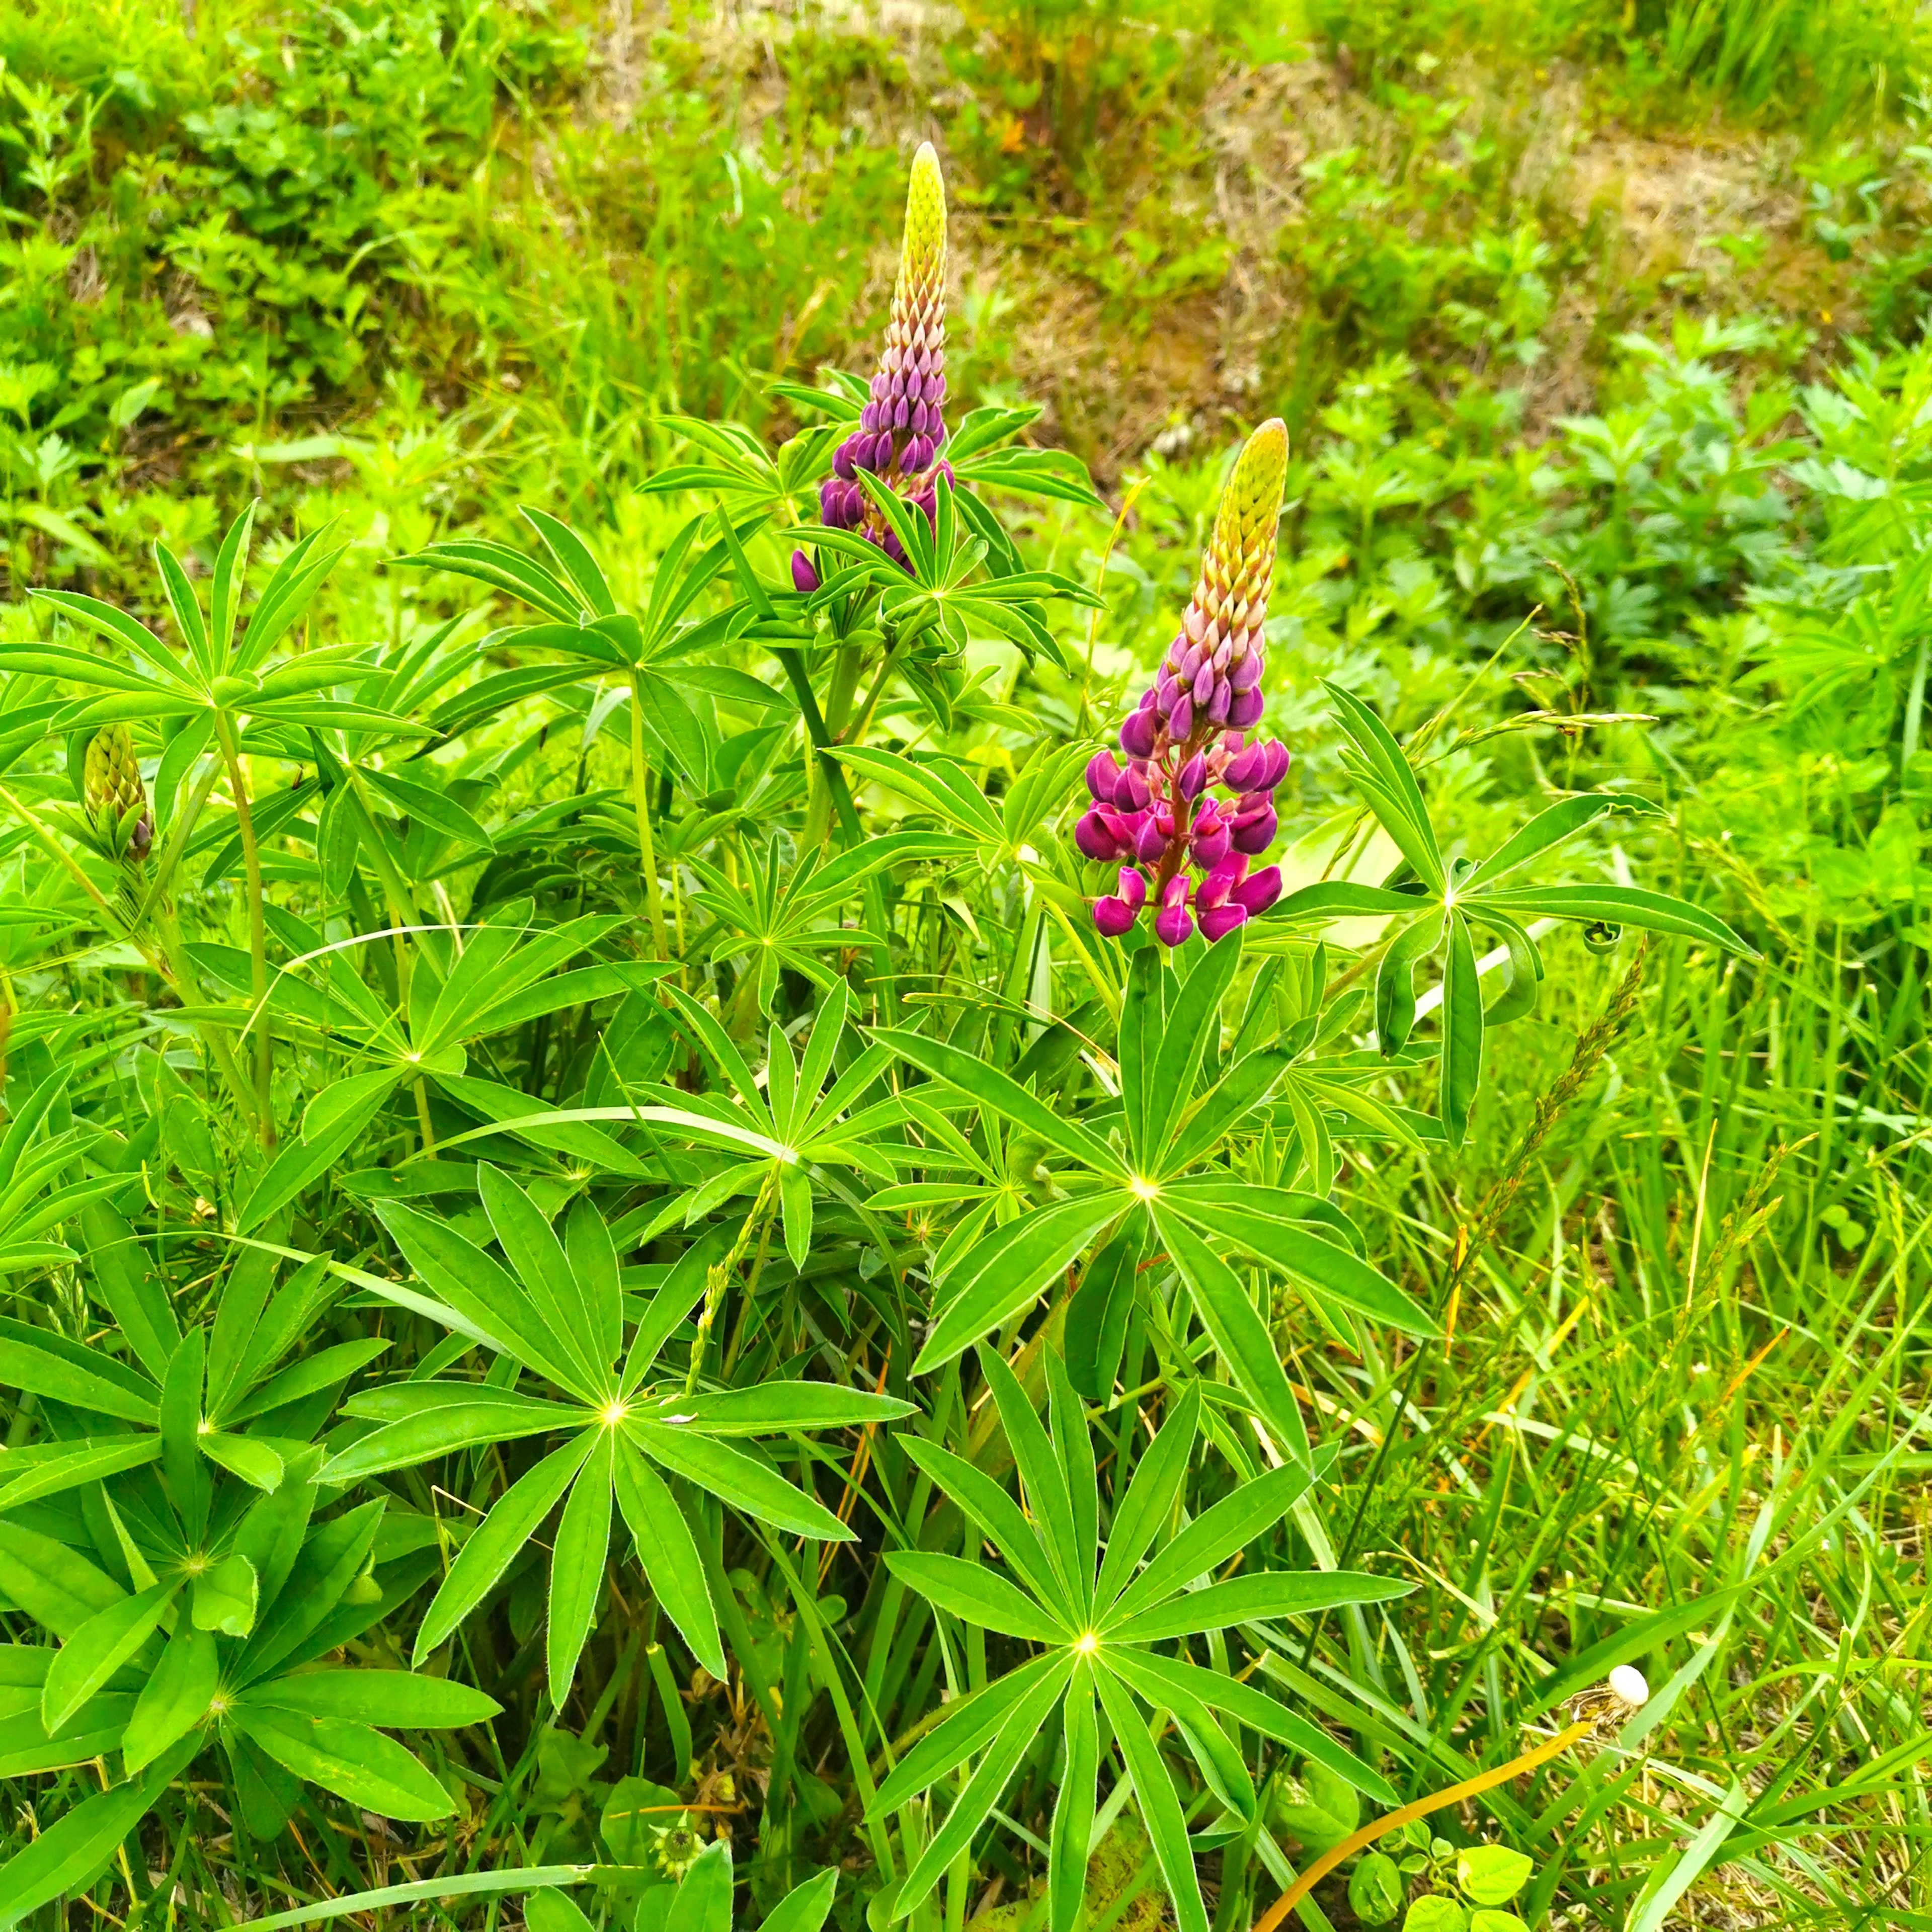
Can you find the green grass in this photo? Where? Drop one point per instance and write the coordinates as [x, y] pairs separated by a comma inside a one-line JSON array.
[[1579, 499]]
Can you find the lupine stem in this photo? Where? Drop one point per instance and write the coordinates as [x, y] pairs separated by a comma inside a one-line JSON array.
[[258, 932], [1469, 1788], [647, 855]]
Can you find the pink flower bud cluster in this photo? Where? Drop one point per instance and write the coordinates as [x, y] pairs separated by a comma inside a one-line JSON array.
[[1165, 819], [901, 431]]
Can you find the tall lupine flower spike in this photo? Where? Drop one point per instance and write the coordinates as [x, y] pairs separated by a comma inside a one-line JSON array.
[[117, 801], [901, 431], [1189, 736]]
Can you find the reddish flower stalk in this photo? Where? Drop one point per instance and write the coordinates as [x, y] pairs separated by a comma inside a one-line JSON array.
[[900, 431], [1188, 736]]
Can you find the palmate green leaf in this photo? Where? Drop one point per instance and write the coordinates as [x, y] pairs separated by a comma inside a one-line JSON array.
[[1072, 1827], [1614, 905], [1157, 1677], [1213, 1751], [1192, 1025], [175, 1698], [1006, 1097], [47, 1469], [441, 1417], [669, 1554], [490, 1548], [1241, 1336], [1280, 1229], [736, 1478], [775, 1408], [40, 1363], [1459, 1067], [55, 1585], [355, 1761], [96, 1650], [1160, 1807], [1241, 1599], [1043, 1480], [1003, 1273], [462, 1275], [981, 1596], [1143, 1512], [990, 1778], [968, 1723], [571, 1317], [997, 1516], [1213, 1537], [577, 1567]]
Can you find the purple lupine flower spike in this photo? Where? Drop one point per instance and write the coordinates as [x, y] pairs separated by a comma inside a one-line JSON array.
[[1188, 736], [901, 429]]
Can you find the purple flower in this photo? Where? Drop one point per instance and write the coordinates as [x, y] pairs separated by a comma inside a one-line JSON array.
[[901, 431], [804, 579], [1188, 735]]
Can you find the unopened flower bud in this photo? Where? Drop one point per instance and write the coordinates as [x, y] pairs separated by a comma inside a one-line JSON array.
[[117, 801]]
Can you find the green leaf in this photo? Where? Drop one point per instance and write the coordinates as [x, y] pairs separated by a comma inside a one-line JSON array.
[[1193, 1029], [225, 1597], [55, 1585], [1096, 1318], [1492, 1874], [65, 1856], [175, 1698], [43, 1364], [1553, 826], [478, 1414], [998, 1517], [1436, 1913], [404, 1699], [1160, 1807], [669, 1554], [577, 1568], [570, 1319], [737, 1479], [552, 1912], [966, 1725], [1264, 1222], [355, 1761], [518, 1514], [1241, 1336], [1251, 1599], [1005, 1272], [703, 1901], [994, 1772], [462, 1275], [1247, 1705], [1460, 1068], [1073, 1809], [1616, 905], [1045, 1483], [1236, 1520], [94, 1652], [255, 1462], [1143, 1512], [1005, 1095], [805, 1907], [773, 1408], [980, 1595], [27, 1475], [1375, 1889]]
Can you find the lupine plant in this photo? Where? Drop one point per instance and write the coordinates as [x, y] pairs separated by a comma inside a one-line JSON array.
[[697, 1058]]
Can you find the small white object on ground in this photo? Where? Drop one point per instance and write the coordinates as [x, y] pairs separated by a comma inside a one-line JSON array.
[[1628, 1683]]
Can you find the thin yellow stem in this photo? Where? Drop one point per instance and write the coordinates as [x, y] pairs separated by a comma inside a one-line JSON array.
[[1421, 1808]]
